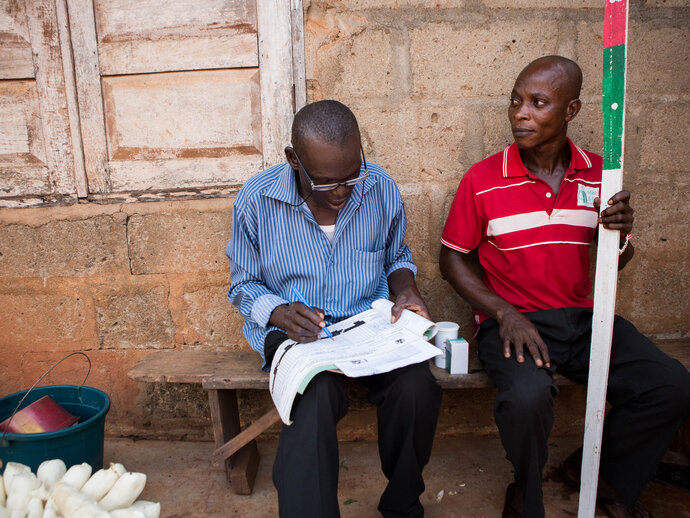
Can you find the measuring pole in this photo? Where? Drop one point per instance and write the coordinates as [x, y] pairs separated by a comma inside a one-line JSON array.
[[615, 49]]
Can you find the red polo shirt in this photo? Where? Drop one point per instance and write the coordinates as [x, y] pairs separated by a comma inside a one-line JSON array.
[[532, 243]]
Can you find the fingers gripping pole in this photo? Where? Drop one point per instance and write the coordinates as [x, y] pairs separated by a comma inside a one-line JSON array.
[[615, 39]]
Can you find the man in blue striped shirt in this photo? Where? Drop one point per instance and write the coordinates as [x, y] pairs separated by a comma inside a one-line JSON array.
[[333, 226]]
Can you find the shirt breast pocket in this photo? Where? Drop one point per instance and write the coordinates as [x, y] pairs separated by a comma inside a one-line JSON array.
[[367, 271]]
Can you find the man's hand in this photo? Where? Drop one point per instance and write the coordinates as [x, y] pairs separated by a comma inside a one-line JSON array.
[[411, 299], [299, 322], [516, 329], [618, 215]]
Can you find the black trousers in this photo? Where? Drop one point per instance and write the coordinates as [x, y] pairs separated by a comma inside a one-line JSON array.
[[649, 395], [305, 471]]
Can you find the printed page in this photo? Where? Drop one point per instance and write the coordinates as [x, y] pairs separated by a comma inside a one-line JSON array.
[[362, 345], [408, 319]]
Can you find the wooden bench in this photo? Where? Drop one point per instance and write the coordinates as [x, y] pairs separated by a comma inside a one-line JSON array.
[[222, 374]]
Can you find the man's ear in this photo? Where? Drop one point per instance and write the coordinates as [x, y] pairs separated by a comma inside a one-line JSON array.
[[291, 158], [573, 109]]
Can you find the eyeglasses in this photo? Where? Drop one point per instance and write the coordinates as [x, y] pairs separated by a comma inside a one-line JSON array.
[[331, 186]]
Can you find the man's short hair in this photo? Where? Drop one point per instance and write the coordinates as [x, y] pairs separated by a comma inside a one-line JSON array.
[[328, 121]]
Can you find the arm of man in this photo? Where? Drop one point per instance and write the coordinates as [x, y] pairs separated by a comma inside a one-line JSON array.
[[514, 328], [249, 292], [619, 215]]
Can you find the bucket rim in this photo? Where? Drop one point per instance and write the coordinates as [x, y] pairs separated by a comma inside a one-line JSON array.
[[58, 433]]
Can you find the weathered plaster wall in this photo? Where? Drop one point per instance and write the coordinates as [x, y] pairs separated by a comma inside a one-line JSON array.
[[429, 82]]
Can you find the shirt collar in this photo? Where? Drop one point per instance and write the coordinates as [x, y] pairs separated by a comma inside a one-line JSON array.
[[513, 166], [285, 188]]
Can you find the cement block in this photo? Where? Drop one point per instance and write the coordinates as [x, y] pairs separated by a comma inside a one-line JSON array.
[[348, 58], [54, 316], [497, 134], [666, 133], [203, 315], [366, 66], [415, 142], [447, 61], [654, 285], [542, 4], [658, 56], [590, 56], [133, 314], [397, 4], [179, 241], [64, 248]]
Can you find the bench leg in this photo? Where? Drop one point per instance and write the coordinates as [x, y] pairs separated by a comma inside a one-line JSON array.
[[241, 467]]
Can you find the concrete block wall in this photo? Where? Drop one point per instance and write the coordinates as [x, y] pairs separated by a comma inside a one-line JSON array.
[[429, 82]]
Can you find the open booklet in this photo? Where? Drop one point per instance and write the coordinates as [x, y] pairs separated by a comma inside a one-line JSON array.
[[362, 345]]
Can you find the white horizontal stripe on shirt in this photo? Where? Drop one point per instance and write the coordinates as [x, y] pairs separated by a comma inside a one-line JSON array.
[[505, 186], [540, 244], [531, 220]]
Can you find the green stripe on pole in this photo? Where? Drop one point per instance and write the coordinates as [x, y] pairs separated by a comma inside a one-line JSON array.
[[613, 105]]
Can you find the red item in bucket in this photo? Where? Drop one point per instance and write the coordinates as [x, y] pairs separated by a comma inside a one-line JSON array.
[[43, 415]]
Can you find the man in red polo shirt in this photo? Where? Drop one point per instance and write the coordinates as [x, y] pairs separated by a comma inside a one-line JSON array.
[[531, 212]]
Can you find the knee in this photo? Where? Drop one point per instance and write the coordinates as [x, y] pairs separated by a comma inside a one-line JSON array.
[[325, 391], [676, 393], [526, 401]]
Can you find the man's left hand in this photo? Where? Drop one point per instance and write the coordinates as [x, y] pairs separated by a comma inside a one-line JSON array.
[[618, 215], [409, 299]]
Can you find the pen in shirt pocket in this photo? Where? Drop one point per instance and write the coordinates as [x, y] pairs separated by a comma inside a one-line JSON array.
[[301, 298]]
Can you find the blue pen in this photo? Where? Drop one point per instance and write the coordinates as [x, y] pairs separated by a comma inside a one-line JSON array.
[[301, 298]]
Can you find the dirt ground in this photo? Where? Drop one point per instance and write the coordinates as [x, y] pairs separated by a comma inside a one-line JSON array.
[[466, 477]]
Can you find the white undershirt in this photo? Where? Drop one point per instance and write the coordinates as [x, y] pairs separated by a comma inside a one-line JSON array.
[[329, 230]]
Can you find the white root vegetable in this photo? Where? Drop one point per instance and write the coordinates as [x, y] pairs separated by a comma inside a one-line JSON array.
[[22, 486], [100, 483], [50, 510], [11, 469], [125, 491], [72, 504], [119, 468], [51, 471], [150, 509], [77, 475], [35, 508], [41, 493], [127, 513]]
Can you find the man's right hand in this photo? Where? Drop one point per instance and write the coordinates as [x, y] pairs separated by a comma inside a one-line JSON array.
[[516, 329], [299, 322]]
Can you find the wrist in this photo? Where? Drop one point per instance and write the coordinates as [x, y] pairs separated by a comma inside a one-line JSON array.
[[277, 315]]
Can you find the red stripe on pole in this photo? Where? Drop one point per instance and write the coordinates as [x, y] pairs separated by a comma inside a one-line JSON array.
[[615, 22]]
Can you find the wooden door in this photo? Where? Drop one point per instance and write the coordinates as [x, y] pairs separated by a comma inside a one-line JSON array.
[[37, 159], [144, 98]]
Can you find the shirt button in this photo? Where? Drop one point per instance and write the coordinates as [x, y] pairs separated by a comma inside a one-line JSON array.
[[548, 195]]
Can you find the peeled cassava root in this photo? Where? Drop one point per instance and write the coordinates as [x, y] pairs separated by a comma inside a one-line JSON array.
[[57, 492]]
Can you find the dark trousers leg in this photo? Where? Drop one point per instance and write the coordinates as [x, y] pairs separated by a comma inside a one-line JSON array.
[[649, 393], [305, 471], [523, 410], [408, 401], [650, 398]]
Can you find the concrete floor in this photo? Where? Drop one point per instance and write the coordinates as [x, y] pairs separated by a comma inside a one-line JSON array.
[[466, 477]]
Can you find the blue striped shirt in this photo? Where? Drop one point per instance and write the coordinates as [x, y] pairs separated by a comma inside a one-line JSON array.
[[275, 246]]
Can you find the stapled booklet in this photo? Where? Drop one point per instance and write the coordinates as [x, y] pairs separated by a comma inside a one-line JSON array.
[[362, 345]]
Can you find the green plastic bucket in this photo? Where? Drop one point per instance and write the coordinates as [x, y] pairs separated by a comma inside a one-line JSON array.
[[81, 442]]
